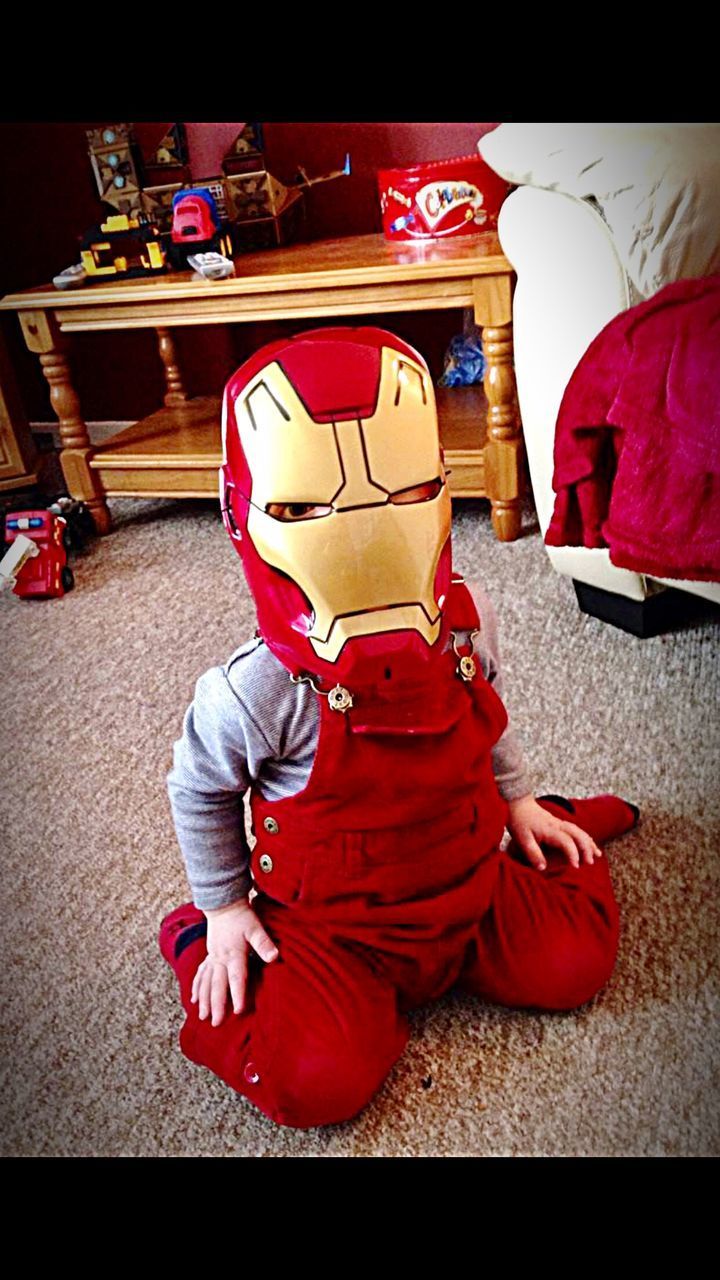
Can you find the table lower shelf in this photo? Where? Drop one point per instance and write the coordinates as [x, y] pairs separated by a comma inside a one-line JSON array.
[[175, 453]]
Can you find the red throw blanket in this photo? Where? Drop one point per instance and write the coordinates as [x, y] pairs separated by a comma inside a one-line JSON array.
[[637, 442]]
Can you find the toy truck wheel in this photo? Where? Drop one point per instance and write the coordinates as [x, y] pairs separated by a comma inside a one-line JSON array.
[[176, 258], [67, 578]]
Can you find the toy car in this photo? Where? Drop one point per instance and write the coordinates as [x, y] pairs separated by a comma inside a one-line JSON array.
[[211, 266], [194, 217], [71, 277], [80, 526], [47, 573], [197, 226]]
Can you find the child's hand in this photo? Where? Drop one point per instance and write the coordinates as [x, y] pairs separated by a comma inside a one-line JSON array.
[[529, 823], [231, 932]]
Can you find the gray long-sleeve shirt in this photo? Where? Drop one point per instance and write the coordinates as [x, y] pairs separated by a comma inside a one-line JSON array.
[[249, 726]]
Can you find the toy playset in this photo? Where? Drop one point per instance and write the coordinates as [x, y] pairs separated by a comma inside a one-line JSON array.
[[117, 165], [158, 218]]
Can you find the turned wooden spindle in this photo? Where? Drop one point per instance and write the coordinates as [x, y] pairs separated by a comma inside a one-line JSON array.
[[499, 382], [504, 439], [176, 393], [65, 400], [76, 444]]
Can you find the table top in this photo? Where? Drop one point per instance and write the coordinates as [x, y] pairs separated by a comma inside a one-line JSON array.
[[369, 259]]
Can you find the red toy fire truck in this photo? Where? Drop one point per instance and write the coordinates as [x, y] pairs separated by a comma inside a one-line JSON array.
[[46, 572]]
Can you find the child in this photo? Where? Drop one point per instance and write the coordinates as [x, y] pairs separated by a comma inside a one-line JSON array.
[[366, 722]]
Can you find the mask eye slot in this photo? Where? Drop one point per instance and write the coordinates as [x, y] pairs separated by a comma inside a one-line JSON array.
[[292, 512], [417, 492]]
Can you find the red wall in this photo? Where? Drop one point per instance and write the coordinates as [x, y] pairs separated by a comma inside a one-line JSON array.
[[50, 200]]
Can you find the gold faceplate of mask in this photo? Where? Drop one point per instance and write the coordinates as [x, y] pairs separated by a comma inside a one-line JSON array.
[[368, 565]]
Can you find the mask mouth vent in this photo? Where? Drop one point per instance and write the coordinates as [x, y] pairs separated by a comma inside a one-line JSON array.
[[388, 673]]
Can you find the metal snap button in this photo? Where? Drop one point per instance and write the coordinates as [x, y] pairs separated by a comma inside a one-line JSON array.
[[340, 699], [271, 825], [467, 668], [266, 862], [251, 1073]]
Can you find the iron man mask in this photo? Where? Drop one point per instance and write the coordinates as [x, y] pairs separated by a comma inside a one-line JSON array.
[[334, 493]]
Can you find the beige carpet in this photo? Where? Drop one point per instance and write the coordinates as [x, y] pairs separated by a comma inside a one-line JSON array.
[[95, 686]]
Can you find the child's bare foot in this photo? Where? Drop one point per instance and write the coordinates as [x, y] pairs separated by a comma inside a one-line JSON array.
[[173, 938]]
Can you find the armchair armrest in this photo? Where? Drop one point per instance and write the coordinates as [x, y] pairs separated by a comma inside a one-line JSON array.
[[570, 284]]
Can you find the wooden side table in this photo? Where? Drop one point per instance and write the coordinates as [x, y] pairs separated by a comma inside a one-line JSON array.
[[176, 451]]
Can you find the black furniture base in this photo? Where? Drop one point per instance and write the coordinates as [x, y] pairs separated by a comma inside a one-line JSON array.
[[667, 611]]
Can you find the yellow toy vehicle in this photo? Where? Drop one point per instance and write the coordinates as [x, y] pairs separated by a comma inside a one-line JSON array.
[[123, 246]]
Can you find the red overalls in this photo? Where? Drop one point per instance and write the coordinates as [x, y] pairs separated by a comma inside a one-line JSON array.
[[383, 885]]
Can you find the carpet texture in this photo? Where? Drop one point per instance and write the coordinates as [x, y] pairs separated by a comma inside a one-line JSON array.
[[95, 687]]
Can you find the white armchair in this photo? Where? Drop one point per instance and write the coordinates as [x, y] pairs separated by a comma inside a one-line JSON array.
[[604, 217]]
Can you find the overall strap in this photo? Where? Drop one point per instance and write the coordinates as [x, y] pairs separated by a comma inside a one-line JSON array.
[[462, 614]]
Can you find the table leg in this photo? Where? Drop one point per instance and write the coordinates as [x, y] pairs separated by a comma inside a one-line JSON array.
[[43, 337], [503, 451], [176, 393]]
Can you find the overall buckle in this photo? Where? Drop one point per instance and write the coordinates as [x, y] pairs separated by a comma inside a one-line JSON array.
[[467, 666]]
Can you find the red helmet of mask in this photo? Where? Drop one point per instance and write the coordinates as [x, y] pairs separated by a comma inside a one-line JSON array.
[[334, 494]]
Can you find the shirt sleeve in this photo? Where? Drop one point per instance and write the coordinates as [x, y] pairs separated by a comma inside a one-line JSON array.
[[508, 761], [206, 786]]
